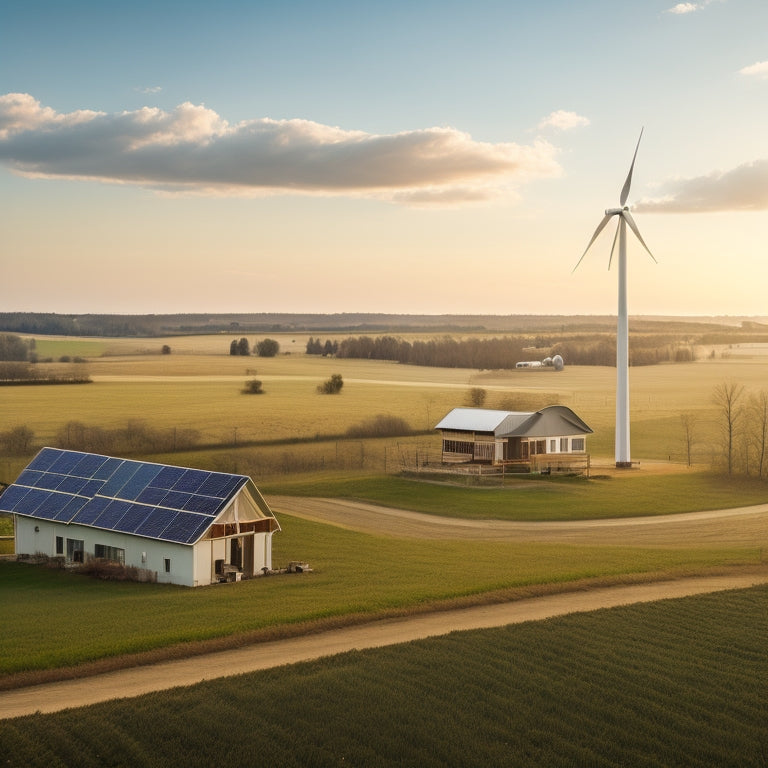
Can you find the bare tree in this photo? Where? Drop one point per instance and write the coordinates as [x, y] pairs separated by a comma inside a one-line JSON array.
[[688, 422], [758, 419], [726, 398]]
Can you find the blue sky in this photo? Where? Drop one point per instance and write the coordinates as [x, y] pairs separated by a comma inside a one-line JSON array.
[[413, 157]]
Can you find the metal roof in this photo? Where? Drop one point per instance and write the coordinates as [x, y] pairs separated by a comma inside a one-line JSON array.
[[158, 501], [552, 421]]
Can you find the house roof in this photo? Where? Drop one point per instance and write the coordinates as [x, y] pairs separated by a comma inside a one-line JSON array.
[[157, 501], [552, 421]]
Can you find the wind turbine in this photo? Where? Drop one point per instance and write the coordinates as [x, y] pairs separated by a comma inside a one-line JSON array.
[[622, 326]]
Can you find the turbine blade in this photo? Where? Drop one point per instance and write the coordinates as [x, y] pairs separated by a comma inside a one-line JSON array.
[[628, 218], [613, 247], [628, 182], [600, 228]]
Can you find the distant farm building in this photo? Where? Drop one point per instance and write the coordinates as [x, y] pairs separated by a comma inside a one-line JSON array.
[[552, 439], [186, 526]]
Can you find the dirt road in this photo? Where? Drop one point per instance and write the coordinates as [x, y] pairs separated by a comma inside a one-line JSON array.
[[134, 682], [743, 526], [747, 526]]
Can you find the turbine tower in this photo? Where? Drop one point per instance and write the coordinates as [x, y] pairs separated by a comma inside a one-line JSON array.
[[622, 326]]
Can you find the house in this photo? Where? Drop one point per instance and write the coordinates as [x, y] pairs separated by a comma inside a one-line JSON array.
[[187, 526], [552, 438]]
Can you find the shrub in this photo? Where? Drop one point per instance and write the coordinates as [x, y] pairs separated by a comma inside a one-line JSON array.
[[332, 386], [382, 425], [253, 387], [267, 348]]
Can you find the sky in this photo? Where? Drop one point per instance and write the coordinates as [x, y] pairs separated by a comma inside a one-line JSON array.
[[415, 157]]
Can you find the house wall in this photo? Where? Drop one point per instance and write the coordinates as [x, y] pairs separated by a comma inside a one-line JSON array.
[[141, 552]]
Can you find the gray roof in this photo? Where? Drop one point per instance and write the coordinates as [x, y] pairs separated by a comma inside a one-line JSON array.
[[158, 501], [552, 421]]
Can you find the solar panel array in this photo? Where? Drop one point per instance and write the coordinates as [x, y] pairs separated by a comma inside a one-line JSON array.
[[154, 500]]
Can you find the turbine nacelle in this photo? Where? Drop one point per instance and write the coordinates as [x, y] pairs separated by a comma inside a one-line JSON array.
[[616, 211]]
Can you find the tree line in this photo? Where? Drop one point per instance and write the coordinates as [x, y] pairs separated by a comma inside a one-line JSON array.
[[504, 352], [263, 348]]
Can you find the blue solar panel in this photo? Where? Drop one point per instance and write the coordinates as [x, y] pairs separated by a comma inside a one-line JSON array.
[[147, 499], [90, 511], [107, 469], [175, 500], [154, 524], [191, 480], [111, 515], [88, 465], [151, 496], [167, 477], [71, 484], [11, 497], [119, 478], [220, 486], [45, 459], [66, 462], [186, 527], [205, 505], [134, 517], [70, 509]]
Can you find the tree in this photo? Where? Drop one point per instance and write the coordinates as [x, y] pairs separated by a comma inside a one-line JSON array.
[[17, 440], [243, 347], [726, 398], [688, 423], [332, 386], [476, 397], [253, 387], [166, 350], [267, 348], [758, 419]]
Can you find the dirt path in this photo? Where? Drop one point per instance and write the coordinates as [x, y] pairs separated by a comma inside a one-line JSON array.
[[136, 681], [742, 526]]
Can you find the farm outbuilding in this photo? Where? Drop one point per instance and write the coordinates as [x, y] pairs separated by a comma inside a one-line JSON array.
[[552, 438], [184, 526]]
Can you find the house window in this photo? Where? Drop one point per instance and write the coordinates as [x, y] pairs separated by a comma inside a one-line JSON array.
[[563, 445], [167, 562], [552, 446], [577, 444], [75, 549], [114, 554], [59, 545]]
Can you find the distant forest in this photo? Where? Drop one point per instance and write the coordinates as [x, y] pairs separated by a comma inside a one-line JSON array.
[[105, 325]]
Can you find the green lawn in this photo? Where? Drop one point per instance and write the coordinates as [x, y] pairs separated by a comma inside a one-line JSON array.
[[52, 618], [672, 683], [539, 499]]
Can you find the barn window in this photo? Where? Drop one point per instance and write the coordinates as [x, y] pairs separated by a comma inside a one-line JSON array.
[[114, 554], [75, 549], [577, 444], [167, 562], [457, 446], [59, 545], [552, 446]]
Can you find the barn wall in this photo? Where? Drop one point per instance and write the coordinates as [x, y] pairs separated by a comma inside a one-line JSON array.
[[141, 552]]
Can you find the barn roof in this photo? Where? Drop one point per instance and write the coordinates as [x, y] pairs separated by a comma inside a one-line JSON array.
[[158, 501], [554, 420]]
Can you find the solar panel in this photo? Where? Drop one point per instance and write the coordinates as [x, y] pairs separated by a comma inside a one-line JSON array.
[[45, 459], [167, 477], [154, 500], [186, 527], [191, 480], [65, 463]]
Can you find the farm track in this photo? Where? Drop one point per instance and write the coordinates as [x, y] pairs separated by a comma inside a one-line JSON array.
[[742, 526]]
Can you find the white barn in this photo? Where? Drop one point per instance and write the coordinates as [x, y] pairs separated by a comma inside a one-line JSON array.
[[188, 526], [552, 438]]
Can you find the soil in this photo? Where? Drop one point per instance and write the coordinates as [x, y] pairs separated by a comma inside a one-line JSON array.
[[741, 526]]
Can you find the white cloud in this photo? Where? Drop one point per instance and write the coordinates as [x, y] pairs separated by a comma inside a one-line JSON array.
[[758, 69], [682, 8], [150, 89], [192, 149], [563, 120], [744, 188]]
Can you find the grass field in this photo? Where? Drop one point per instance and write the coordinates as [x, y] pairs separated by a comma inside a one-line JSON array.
[[674, 683]]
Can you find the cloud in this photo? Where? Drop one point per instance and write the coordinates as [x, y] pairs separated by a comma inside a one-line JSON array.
[[682, 8], [150, 89], [758, 69], [744, 188], [563, 121], [192, 149]]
